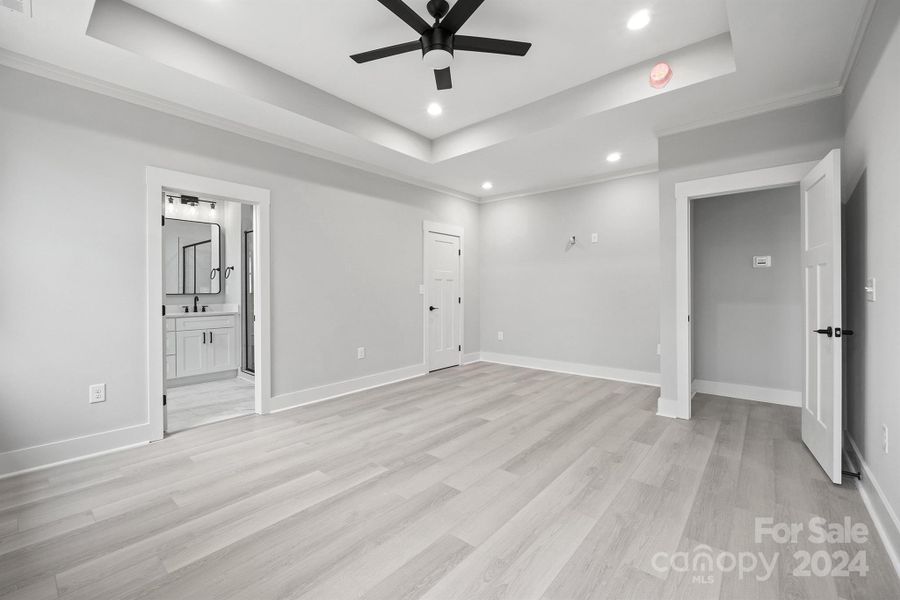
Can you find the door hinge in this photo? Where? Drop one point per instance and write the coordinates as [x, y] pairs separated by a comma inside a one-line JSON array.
[[164, 309], [164, 399], [459, 252], [163, 220], [460, 348], [460, 300]]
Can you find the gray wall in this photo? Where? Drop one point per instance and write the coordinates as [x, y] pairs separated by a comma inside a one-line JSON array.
[[747, 323], [791, 135], [872, 245], [594, 304], [346, 257]]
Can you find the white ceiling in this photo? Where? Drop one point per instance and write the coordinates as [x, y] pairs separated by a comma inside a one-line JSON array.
[[574, 41], [784, 52]]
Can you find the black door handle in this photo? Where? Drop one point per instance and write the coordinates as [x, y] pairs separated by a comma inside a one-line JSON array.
[[210, 337], [204, 337], [432, 308], [827, 331]]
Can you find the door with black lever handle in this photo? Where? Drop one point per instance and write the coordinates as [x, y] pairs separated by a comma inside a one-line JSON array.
[[833, 331]]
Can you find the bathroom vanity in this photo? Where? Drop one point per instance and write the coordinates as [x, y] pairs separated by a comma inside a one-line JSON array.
[[200, 344]]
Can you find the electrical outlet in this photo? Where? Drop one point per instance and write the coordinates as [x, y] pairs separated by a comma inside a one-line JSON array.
[[884, 438], [422, 290], [97, 393], [500, 336], [595, 238], [361, 352]]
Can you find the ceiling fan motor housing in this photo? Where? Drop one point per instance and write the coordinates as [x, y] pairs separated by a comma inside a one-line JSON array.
[[437, 48]]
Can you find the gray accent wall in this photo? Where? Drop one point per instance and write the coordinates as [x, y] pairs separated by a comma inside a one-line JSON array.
[[747, 322], [871, 249], [346, 249], [591, 303]]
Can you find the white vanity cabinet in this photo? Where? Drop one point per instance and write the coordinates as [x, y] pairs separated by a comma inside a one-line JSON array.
[[198, 344]]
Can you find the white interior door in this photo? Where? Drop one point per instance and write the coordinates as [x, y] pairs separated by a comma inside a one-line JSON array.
[[443, 300], [822, 423]]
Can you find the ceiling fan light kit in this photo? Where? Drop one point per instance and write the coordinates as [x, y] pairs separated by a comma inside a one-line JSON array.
[[438, 42]]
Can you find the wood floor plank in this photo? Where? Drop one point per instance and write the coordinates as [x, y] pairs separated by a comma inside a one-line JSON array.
[[484, 481]]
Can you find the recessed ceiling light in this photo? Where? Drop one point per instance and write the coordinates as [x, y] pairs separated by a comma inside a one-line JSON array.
[[435, 109], [639, 20], [487, 185], [614, 157]]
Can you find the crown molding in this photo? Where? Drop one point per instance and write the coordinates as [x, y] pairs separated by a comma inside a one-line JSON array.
[[861, 29], [575, 183], [46, 70], [791, 100]]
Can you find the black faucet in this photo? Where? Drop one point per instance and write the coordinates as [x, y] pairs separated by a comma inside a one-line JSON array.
[[196, 300]]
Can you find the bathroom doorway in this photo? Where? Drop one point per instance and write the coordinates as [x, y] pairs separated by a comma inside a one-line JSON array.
[[210, 361]]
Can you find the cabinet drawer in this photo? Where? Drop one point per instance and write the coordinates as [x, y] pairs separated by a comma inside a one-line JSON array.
[[200, 323]]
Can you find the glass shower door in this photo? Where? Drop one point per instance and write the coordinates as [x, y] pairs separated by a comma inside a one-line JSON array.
[[249, 316]]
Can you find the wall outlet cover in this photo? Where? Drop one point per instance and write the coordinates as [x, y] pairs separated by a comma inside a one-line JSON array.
[[870, 290], [762, 262], [595, 238], [97, 393], [361, 352], [500, 336]]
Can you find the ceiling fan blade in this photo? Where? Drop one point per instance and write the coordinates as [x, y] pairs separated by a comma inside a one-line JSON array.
[[409, 16], [363, 57], [490, 45], [442, 78], [459, 14]]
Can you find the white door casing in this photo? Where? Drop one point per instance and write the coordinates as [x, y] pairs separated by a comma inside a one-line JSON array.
[[822, 416], [443, 300]]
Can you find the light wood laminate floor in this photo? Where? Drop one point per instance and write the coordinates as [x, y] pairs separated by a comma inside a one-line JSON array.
[[204, 403], [483, 481]]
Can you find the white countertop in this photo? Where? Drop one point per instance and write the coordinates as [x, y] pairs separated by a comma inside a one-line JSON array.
[[208, 313]]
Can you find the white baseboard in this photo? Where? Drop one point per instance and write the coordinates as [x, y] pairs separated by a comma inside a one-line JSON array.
[[543, 364], [342, 388], [470, 358], [883, 515], [15, 462], [748, 392], [667, 407]]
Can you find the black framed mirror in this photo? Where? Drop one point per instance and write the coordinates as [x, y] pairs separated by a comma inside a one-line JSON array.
[[192, 251]]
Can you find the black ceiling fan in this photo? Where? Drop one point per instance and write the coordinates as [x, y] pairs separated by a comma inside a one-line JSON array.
[[439, 41]]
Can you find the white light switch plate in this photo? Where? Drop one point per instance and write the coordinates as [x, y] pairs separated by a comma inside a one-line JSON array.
[[500, 336], [595, 238], [870, 290], [361, 352], [422, 290], [97, 393]]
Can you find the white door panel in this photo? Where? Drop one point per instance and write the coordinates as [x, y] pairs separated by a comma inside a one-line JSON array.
[[822, 418], [191, 353], [443, 301], [221, 350]]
